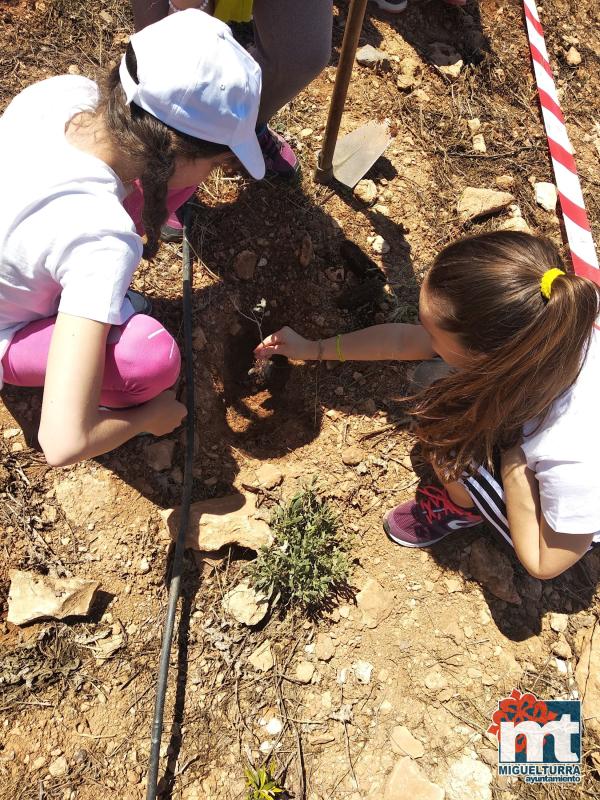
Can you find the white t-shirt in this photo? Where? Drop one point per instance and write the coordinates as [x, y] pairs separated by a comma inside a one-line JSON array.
[[564, 453], [66, 242]]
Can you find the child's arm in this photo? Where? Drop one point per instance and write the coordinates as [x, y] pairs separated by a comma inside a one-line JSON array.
[[543, 552], [393, 341], [145, 12], [71, 427]]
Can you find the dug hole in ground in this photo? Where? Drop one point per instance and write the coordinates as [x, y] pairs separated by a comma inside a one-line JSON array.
[[387, 693]]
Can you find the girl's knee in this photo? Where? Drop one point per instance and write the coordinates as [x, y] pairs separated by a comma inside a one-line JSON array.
[[147, 357]]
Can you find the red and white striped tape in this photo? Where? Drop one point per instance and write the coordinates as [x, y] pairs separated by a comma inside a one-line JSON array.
[[579, 234]]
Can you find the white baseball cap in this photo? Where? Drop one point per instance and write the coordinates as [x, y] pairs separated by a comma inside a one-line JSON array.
[[194, 77]]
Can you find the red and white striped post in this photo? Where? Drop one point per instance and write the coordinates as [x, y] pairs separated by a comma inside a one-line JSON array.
[[579, 234]]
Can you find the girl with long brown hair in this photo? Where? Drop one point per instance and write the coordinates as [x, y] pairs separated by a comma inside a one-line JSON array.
[[511, 430], [183, 100]]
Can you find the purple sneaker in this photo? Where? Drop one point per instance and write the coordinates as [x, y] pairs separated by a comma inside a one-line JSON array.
[[427, 519], [391, 6], [280, 159]]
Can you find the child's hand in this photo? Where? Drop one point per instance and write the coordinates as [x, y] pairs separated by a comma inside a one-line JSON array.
[[287, 342], [165, 413]]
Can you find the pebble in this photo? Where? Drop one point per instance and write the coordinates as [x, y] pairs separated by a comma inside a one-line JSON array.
[[262, 658], [59, 767], [380, 246], [404, 743], [562, 650], [505, 182], [352, 456], [305, 672], [546, 195], [160, 455], [132, 777], [324, 647], [573, 57], [369, 56], [363, 670], [244, 264], [143, 566], [434, 680], [479, 145], [307, 251], [366, 192], [559, 622]]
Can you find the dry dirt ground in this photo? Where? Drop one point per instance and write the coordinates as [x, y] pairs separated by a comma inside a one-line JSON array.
[[444, 649]]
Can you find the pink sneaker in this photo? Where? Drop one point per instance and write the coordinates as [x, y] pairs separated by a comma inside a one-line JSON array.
[[427, 519], [280, 159]]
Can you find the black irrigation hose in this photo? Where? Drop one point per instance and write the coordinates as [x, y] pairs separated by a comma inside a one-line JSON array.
[[167, 638]]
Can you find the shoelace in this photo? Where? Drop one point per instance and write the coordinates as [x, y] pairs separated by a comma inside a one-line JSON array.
[[436, 504]]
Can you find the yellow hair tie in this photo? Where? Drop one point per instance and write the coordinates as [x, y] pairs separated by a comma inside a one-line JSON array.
[[548, 279]]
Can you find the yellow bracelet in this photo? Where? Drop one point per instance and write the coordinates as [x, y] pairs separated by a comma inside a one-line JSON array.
[[338, 347]]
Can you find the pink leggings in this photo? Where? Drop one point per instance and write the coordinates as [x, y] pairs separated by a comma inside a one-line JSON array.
[[134, 203], [142, 360]]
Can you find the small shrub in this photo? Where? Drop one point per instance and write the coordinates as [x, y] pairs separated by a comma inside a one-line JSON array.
[[308, 559], [261, 783]]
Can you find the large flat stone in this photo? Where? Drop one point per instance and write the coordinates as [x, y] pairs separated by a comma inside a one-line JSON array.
[[407, 781], [475, 203], [32, 597], [221, 521]]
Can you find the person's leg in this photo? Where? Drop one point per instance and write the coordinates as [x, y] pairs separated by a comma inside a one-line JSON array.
[[142, 360], [134, 203], [292, 44]]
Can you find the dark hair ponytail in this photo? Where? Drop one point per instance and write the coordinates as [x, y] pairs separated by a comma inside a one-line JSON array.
[[151, 145], [525, 351]]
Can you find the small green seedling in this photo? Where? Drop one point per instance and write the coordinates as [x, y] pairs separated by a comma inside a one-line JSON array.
[[309, 557], [261, 783]]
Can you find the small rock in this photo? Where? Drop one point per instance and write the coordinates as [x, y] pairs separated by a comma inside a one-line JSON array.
[[474, 125], [221, 521], [369, 56], [199, 339], [38, 763], [546, 195], [306, 132], [352, 456], [324, 647], [32, 597], [274, 726], [268, 476], [363, 670], [573, 57], [245, 604], [404, 743], [244, 264], [407, 77], [59, 767], [407, 780], [366, 191], [514, 224], [470, 778], [73, 69], [475, 203], [143, 566], [435, 681], [374, 603], [562, 649], [559, 622], [380, 246], [453, 585], [479, 145], [305, 671], [306, 251], [447, 60], [505, 182], [160, 455], [262, 658], [132, 777], [491, 567]]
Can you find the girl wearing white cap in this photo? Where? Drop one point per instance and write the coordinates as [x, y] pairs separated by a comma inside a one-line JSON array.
[[183, 100]]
